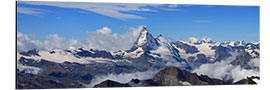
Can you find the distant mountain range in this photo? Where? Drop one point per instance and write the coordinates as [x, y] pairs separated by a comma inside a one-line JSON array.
[[53, 69]]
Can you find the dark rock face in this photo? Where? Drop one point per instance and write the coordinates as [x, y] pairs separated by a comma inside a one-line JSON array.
[[110, 83], [150, 82], [188, 49], [201, 59], [33, 52], [97, 53], [172, 75], [212, 81], [221, 52]]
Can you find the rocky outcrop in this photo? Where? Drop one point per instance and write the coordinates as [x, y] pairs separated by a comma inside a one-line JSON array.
[[173, 76], [110, 83]]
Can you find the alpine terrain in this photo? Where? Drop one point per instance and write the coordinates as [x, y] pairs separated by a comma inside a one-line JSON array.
[[171, 63]]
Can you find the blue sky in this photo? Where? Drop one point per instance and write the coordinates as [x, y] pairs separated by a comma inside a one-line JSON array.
[[177, 22]]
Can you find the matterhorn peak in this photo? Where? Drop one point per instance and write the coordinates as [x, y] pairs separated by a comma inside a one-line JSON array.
[[143, 28], [145, 39]]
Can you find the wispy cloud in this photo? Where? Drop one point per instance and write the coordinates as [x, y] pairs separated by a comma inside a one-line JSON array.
[[187, 5], [107, 9], [201, 21], [30, 11], [173, 5]]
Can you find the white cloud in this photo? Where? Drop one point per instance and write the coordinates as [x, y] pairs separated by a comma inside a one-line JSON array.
[[30, 11], [254, 62], [223, 70], [105, 30], [124, 77], [56, 42], [104, 39], [107, 9], [27, 42]]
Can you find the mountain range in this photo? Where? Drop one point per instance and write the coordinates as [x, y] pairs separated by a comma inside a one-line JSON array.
[[79, 67]]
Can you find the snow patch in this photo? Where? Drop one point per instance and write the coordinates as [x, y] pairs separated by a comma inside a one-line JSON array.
[[28, 69], [185, 83], [135, 54], [256, 80], [183, 54]]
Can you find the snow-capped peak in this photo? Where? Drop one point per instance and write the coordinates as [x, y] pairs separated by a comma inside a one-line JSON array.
[[146, 40], [163, 41], [206, 40], [162, 38], [193, 40], [199, 41]]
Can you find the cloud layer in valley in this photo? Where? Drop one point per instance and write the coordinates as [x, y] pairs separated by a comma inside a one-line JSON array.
[[124, 77], [225, 71]]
